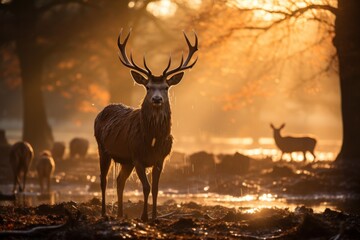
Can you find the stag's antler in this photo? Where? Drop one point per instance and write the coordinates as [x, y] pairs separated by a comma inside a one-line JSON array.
[[125, 60], [184, 65]]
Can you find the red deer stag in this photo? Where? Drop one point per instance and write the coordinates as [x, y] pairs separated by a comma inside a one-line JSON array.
[[21, 155], [291, 144], [139, 138]]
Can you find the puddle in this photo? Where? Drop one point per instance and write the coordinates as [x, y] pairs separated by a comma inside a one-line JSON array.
[[251, 202]]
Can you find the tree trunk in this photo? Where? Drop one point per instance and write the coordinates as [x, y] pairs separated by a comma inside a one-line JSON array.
[[36, 129], [347, 43]]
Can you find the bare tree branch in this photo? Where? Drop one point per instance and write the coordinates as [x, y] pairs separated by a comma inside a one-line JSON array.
[[56, 3], [287, 15]]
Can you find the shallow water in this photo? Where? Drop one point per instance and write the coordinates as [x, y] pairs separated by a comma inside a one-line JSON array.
[[249, 203]]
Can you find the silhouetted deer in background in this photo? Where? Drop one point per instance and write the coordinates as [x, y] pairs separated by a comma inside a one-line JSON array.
[[21, 155], [45, 167], [78, 147], [58, 151], [139, 138], [291, 144]]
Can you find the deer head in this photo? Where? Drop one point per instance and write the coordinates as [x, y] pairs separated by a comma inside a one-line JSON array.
[[277, 130], [157, 86]]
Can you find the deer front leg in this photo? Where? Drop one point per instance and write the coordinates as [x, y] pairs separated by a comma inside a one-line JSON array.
[[105, 161], [124, 174], [141, 172], [156, 171]]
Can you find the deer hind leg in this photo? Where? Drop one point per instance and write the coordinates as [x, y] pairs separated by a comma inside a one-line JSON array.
[[281, 157], [312, 153], [124, 174], [291, 156], [41, 184], [16, 181], [156, 171], [141, 172], [304, 154], [48, 184], [105, 161], [24, 180]]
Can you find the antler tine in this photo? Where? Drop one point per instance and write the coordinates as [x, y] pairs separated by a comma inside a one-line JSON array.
[[147, 68], [168, 66], [182, 68], [122, 46], [136, 66], [191, 65], [192, 49], [125, 60], [184, 64], [178, 68]]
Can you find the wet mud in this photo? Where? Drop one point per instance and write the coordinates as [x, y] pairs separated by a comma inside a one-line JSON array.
[[76, 215], [71, 220]]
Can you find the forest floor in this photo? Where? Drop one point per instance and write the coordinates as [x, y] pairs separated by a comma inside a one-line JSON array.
[[72, 220], [197, 220]]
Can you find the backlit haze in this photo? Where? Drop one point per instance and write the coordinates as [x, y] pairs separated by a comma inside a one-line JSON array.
[[244, 80]]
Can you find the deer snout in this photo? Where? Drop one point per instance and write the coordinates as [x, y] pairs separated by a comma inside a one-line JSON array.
[[157, 100]]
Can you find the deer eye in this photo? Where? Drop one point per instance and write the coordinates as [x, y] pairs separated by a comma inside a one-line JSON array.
[[147, 88]]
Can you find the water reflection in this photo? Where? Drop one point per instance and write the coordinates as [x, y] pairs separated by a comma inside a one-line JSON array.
[[79, 182], [250, 203]]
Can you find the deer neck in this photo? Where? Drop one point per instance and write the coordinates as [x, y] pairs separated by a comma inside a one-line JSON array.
[[156, 121], [277, 137]]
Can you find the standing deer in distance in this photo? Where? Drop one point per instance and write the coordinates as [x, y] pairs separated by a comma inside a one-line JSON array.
[[139, 138], [45, 168], [21, 156], [289, 144]]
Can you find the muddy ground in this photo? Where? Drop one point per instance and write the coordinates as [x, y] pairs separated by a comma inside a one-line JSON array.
[[72, 220], [192, 220]]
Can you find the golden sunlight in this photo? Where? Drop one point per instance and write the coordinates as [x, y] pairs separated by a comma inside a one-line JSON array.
[[163, 8], [267, 8]]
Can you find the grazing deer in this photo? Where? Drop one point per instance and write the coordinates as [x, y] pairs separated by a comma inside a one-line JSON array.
[[21, 155], [45, 167], [139, 138], [58, 151], [78, 147], [291, 144]]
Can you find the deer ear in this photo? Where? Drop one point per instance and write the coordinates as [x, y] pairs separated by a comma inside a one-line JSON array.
[[138, 78], [175, 79], [282, 126], [272, 126]]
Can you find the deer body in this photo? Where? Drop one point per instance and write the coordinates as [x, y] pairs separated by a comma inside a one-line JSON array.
[[45, 167], [78, 147], [126, 134], [139, 138], [290, 144], [21, 155]]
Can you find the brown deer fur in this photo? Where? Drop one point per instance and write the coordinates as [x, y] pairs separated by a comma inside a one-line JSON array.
[[139, 138], [21, 155], [289, 144]]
